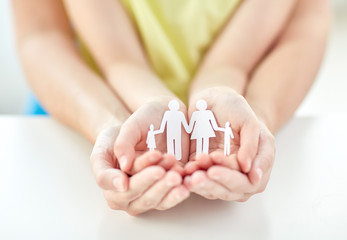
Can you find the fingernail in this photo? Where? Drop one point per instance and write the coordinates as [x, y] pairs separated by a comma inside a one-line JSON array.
[[259, 173], [216, 177], [117, 183], [249, 163], [172, 179], [188, 179], [123, 162], [180, 196]]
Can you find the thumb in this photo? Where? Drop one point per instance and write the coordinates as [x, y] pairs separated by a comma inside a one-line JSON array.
[[124, 148]]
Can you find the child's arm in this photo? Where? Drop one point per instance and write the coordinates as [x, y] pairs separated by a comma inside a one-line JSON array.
[[112, 39], [272, 63]]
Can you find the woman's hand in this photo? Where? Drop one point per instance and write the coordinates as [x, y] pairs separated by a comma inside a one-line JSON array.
[[151, 188], [247, 169]]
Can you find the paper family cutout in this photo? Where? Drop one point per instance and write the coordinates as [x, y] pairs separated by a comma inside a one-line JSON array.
[[202, 127]]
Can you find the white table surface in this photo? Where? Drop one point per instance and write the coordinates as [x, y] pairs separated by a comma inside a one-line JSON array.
[[47, 190]]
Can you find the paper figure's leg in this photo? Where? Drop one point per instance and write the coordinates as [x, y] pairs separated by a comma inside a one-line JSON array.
[[226, 146], [178, 149], [205, 145], [170, 146], [198, 146]]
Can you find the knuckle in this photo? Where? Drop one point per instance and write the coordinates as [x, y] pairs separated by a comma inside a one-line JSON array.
[[261, 188], [149, 203], [161, 208], [113, 205], [210, 196], [100, 179], [244, 199], [227, 197], [132, 212]]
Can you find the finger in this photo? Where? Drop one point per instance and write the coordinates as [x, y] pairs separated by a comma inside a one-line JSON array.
[[154, 195], [264, 160], [234, 181], [138, 184], [103, 164], [126, 141], [227, 161], [249, 139], [202, 161], [143, 180], [177, 167], [112, 179], [168, 161], [175, 196], [191, 167], [145, 160], [201, 184]]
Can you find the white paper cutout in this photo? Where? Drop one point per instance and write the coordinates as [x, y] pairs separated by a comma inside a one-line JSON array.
[[173, 119], [151, 138], [228, 133], [202, 125]]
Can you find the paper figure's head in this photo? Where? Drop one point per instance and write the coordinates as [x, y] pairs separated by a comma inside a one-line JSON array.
[[151, 127], [227, 124], [201, 105], [174, 105]]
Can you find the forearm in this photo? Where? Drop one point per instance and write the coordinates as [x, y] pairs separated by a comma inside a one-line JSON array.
[[114, 43], [137, 85], [282, 80], [67, 88], [241, 45]]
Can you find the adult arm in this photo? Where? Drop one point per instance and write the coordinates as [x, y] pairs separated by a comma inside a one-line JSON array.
[[281, 81], [67, 88]]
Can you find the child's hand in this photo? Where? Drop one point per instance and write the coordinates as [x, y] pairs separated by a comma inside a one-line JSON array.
[[131, 142], [246, 171], [152, 188]]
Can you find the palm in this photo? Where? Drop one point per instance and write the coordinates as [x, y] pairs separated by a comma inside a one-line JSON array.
[[226, 108], [138, 124]]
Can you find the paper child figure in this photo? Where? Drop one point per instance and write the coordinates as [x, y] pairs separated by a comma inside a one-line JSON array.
[[151, 138], [228, 133], [202, 123], [173, 119]]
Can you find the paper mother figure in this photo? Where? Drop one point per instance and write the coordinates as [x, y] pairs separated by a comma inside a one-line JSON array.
[[202, 125]]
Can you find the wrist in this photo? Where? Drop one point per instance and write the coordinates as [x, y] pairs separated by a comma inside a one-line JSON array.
[[211, 93], [264, 114], [163, 101], [136, 85], [110, 120], [228, 77]]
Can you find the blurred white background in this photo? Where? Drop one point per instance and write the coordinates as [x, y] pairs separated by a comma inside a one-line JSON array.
[[328, 95]]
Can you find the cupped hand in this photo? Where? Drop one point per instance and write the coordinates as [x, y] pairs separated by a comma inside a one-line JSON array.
[[152, 187], [247, 169], [131, 142]]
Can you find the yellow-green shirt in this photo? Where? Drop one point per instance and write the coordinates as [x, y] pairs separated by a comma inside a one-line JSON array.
[[177, 33]]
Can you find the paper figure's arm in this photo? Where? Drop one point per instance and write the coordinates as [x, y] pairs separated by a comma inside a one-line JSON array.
[[221, 129], [157, 132], [214, 123], [162, 125], [184, 123], [230, 132], [147, 137], [191, 123]]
